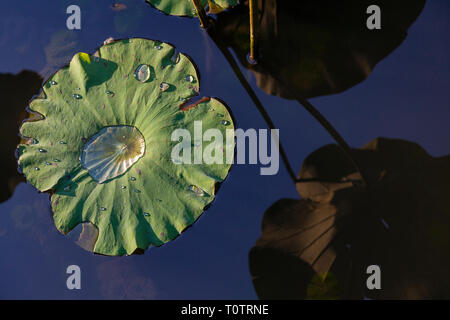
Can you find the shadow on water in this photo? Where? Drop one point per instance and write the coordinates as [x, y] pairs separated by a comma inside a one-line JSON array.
[[16, 91]]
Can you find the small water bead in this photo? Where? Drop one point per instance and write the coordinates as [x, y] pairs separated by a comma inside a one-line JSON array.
[[163, 86], [53, 83], [36, 168], [61, 142], [56, 160], [42, 150], [77, 96], [189, 78], [102, 209], [219, 115], [133, 179], [158, 47], [226, 122], [142, 73], [197, 190], [47, 163], [146, 214], [123, 187], [250, 60], [109, 93]]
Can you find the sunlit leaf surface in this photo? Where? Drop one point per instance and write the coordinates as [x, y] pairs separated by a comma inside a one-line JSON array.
[[104, 145]]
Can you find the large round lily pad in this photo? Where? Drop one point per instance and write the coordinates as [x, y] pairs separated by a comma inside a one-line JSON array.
[[186, 7], [103, 145]]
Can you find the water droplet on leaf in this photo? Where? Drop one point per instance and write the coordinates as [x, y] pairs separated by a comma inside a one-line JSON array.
[[163, 86], [197, 190], [142, 73]]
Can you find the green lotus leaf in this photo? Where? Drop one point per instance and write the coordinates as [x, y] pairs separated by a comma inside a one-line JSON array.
[[185, 8], [103, 145]]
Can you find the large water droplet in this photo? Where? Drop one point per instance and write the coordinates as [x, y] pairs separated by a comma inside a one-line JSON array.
[[198, 191], [77, 96], [142, 73], [112, 151], [163, 86]]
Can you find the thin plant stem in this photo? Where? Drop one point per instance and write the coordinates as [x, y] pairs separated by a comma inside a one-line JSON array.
[[328, 127], [201, 13], [305, 103], [252, 12], [235, 67]]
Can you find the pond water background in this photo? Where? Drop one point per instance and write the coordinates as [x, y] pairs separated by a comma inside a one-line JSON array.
[[407, 96]]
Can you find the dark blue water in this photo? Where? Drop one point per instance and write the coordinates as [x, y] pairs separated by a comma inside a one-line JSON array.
[[407, 96]]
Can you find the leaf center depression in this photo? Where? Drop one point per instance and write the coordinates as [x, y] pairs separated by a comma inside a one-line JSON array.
[[112, 151]]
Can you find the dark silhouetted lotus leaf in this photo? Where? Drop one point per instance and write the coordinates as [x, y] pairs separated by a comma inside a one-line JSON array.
[[339, 228], [16, 92], [316, 47]]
